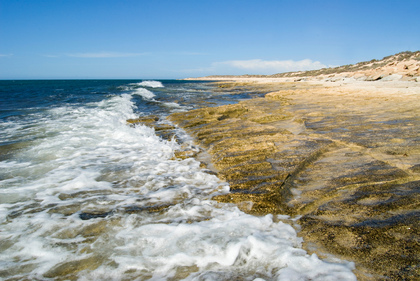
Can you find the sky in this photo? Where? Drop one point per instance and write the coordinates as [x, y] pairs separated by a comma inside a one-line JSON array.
[[172, 39]]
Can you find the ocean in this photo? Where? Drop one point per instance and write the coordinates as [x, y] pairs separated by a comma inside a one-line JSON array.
[[86, 196]]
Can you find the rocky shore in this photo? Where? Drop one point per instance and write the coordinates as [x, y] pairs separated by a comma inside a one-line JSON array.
[[404, 66], [341, 159]]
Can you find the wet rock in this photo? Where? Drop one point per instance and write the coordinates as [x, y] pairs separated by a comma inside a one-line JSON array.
[[168, 135], [165, 131], [415, 168], [68, 270], [89, 216], [151, 119], [184, 154], [151, 209], [65, 210], [344, 161]]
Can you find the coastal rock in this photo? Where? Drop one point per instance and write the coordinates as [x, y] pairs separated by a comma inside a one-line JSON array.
[[165, 131], [375, 77], [392, 77], [151, 119], [343, 160]]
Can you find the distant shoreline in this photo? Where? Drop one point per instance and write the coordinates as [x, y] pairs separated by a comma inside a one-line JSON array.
[[404, 66]]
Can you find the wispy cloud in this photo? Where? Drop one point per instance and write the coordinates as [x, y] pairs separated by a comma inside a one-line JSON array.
[[274, 66], [105, 55], [256, 66], [6, 55]]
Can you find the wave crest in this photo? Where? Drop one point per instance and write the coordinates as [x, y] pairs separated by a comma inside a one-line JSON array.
[[150, 83], [144, 93]]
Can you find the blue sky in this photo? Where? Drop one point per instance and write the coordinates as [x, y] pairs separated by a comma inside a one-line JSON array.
[[176, 39]]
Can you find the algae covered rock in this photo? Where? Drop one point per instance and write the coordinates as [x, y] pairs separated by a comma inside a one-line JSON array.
[[344, 161], [165, 131]]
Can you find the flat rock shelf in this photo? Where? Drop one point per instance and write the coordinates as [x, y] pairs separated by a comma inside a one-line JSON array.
[[343, 160]]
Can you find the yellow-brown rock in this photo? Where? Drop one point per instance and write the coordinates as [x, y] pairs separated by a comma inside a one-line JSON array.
[[342, 158], [165, 131]]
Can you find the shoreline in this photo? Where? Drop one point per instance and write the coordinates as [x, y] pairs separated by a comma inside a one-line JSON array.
[[335, 154], [390, 86]]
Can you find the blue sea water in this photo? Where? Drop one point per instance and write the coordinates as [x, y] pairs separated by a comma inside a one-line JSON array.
[[85, 196]]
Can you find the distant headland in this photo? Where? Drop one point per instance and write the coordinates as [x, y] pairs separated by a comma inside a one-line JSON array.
[[404, 66]]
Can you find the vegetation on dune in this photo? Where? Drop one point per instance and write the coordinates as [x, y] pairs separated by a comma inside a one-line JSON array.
[[366, 65], [361, 66]]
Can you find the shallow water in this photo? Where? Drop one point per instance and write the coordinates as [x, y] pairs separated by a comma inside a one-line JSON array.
[[85, 196]]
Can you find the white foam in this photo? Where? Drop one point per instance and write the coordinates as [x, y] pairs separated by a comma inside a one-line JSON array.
[[150, 83], [91, 161], [229, 245], [144, 93], [172, 105]]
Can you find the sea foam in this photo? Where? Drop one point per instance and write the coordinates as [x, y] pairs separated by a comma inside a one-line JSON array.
[[109, 201], [150, 83], [144, 93]]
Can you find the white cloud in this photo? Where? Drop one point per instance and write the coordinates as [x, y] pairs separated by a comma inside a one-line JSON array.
[[258, 66], [104, 55], [6, 55]]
